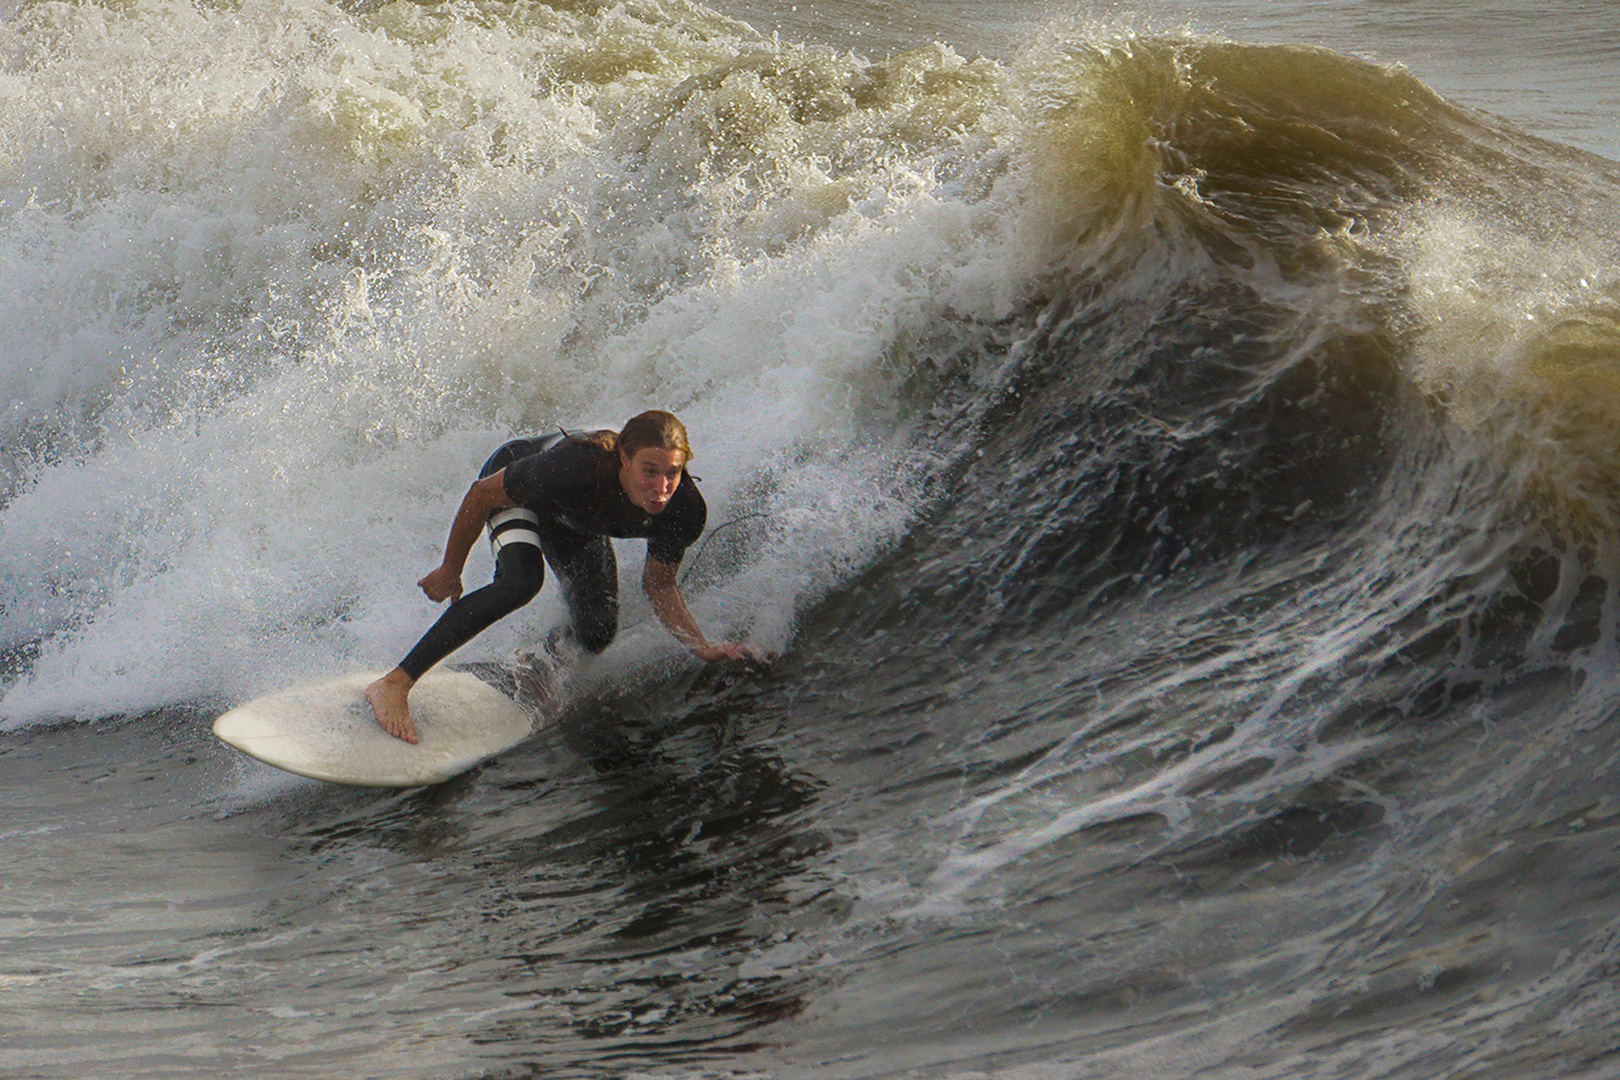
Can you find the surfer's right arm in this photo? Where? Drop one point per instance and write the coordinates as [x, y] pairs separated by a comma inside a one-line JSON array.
[[487, 495]]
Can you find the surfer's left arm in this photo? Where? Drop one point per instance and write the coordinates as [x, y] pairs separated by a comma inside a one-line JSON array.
[[659, 582]]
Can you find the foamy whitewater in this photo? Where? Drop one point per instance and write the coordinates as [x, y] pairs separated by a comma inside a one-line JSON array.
[[1173, 450]]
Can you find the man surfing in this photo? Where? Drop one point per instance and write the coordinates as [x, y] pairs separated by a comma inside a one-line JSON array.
[[557, 500]]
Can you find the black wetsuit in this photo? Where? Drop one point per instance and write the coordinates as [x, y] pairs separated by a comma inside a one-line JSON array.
[[568, 503]]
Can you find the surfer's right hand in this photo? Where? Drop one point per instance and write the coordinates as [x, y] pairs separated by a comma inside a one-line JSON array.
[[733, 650], [441, 584]]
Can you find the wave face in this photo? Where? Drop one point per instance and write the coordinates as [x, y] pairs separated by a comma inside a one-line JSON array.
[[1180, 476]]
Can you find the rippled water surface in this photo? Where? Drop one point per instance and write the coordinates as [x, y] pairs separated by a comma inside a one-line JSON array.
[[1171, 449]]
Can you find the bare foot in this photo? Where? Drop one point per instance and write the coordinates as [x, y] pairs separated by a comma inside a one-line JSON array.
[[388, 703]]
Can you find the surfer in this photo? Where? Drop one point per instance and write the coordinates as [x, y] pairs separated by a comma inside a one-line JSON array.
[[557, 500]]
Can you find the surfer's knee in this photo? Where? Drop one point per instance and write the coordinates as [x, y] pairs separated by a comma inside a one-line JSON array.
[[520, 570], [509, 596], [595, 635], [595, 618]]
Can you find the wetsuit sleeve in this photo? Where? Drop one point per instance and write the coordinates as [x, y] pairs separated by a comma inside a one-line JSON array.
[[679, 526], [524, 479]]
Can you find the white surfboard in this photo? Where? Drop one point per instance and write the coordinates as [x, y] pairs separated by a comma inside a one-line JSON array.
[[326, 730]]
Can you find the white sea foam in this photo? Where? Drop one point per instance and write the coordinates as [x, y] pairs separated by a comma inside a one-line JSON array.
[[306, 268]]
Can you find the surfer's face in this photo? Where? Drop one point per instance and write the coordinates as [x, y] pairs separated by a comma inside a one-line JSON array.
[[651, 477]]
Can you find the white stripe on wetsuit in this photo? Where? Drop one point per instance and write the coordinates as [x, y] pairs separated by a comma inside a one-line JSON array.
[[511, 526]]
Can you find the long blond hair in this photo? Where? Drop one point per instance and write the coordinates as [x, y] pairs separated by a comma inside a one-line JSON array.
[[655, 427]]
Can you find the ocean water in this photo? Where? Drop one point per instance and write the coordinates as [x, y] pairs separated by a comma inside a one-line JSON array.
[[1172, 447]]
